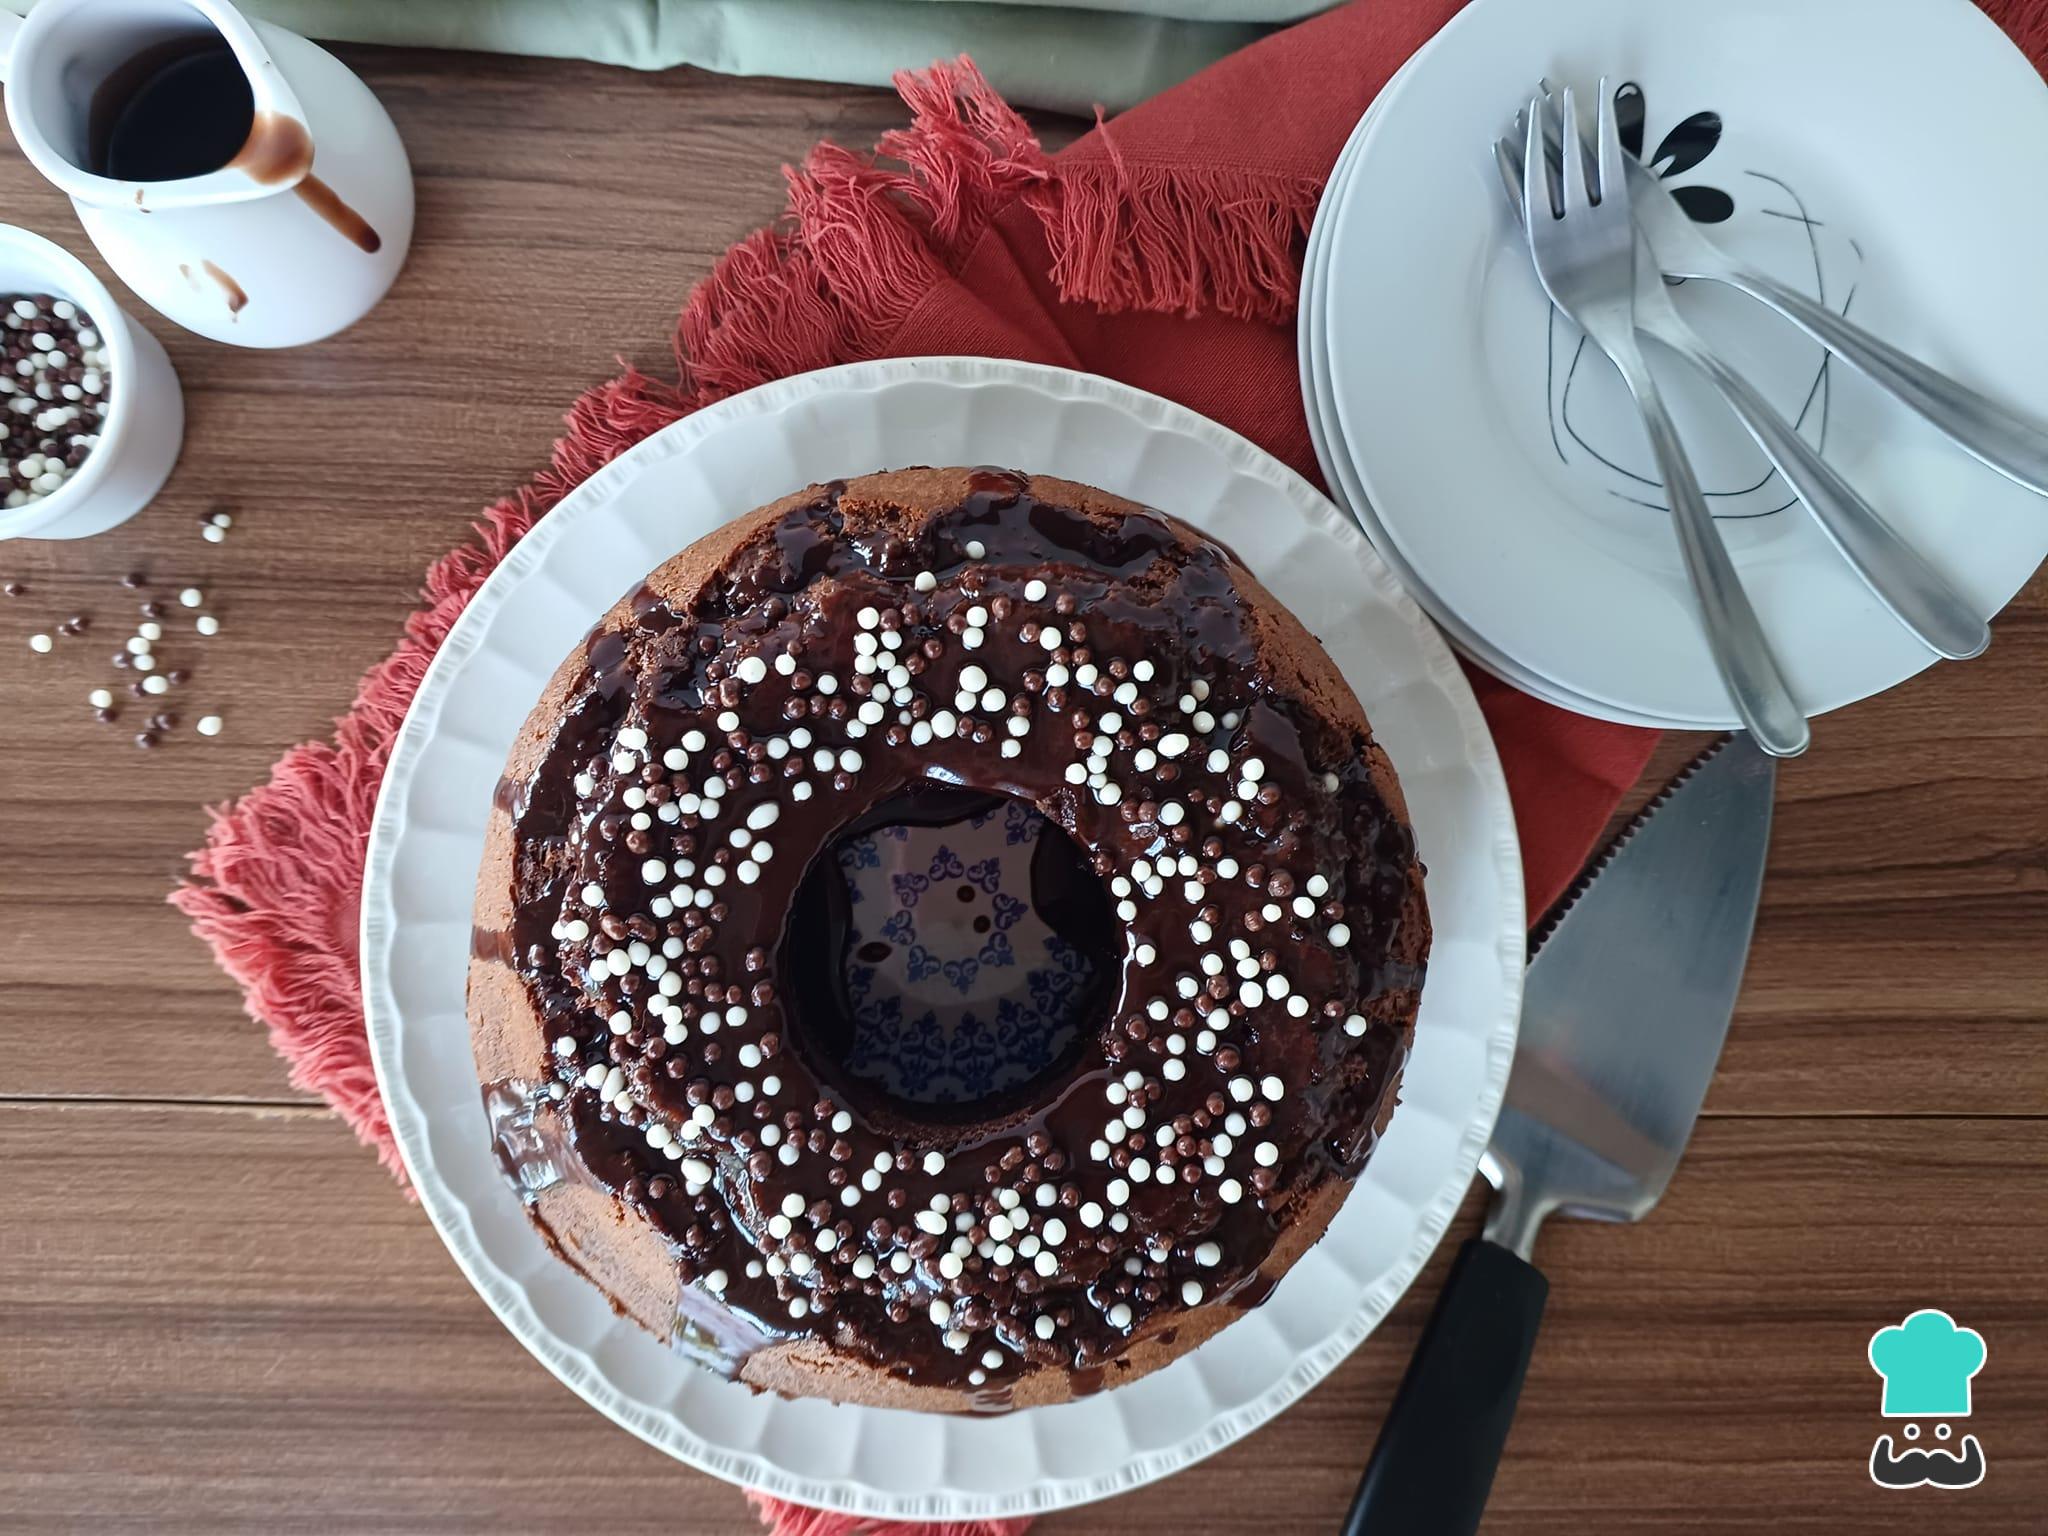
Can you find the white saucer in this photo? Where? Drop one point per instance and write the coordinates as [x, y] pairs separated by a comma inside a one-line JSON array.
[[1509, 484]]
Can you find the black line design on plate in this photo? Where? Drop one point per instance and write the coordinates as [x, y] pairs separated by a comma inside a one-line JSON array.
[[1550, 378], [1683, 148]]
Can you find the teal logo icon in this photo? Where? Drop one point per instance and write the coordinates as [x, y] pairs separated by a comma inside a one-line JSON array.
[[1927, 1363]]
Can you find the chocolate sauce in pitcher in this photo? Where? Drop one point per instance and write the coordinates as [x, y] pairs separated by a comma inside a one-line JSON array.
[[177, 109]]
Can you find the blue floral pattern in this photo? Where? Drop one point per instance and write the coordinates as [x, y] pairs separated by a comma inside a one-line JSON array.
[[958, 987]]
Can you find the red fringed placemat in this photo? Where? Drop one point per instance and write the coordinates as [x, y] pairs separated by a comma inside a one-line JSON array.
[[1162, 250]]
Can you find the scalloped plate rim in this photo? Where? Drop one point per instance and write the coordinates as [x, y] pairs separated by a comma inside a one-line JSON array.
[[574, 1364]]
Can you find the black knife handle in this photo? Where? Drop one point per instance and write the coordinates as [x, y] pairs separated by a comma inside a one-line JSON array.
[[1433, 1467]]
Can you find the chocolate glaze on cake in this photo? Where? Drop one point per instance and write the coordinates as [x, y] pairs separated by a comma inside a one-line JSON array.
[[653, 1086]]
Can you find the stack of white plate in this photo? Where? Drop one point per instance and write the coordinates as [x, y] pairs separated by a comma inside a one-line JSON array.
[[1881, 155]]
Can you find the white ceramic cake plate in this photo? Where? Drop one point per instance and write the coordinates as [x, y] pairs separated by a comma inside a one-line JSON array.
[[635, 513]]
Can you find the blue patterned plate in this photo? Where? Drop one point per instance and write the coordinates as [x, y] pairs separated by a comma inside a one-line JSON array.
[[957, 986]]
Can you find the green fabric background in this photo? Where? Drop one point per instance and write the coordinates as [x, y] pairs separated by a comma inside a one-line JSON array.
[[1070, 57]]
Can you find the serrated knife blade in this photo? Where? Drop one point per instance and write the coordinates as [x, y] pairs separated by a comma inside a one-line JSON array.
[[1627, 1003]]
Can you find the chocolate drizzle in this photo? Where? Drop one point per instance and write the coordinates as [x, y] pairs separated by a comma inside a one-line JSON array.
[[1251, 1291], [493, 944], [1133, 589]]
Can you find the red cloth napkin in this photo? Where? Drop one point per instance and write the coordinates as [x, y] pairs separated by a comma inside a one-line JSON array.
[[1162, 249]]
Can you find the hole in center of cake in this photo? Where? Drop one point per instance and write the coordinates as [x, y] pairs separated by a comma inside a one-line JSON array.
[[950, 955]]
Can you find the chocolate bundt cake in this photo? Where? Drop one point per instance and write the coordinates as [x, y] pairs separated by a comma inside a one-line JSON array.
[[658, 997]]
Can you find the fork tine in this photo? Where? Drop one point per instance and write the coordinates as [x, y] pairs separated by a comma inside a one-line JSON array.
[[1550, 93], [1552, 151], [1510, 170], [1536, 199], [1576, 195], [1613, 179]]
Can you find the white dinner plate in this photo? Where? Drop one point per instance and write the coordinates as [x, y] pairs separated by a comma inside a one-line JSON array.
[[677, 485], [1877, 153], [1326, 434]]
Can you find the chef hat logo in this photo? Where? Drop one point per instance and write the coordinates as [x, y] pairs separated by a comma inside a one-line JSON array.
[[1927, 1362]]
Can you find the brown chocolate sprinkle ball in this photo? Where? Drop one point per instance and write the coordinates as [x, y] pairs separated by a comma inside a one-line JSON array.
[[53, 394]]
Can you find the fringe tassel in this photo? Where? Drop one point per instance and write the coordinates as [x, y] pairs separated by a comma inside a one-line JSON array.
[[865, 239], [763, 312], [1175, 238], [603, 424], [785, 1519], [278, 910], [968, 155], [866, 247]]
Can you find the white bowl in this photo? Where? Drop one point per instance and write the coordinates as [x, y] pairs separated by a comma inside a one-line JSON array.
[[145, 422]]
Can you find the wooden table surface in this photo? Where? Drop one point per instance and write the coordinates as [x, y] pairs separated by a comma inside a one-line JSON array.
[[217, 1314]]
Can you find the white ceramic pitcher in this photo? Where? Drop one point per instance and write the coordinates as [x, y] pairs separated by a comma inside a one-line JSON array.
[[294, 238]]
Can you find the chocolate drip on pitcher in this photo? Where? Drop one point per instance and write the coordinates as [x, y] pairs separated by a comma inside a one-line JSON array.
[[237, 297], [279, 150], [352, 226]]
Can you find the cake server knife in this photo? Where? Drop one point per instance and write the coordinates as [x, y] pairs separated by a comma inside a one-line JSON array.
[[1628, 999]]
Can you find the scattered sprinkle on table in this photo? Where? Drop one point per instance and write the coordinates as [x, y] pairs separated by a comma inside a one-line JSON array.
[[142, 652]]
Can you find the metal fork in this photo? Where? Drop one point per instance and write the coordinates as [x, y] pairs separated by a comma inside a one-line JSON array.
[[1917, 595], [2014, 444], [1585, 254]]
